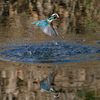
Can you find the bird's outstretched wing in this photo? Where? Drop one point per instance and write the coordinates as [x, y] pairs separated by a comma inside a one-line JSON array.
[[46, 27], [49, 80]]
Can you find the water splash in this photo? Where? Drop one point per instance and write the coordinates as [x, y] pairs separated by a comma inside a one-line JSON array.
[[49, 52]]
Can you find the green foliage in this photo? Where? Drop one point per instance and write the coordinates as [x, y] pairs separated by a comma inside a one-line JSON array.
[[82, 94], [87, 95], [99, 12], [90, 95], [88, 2], [91, 23]]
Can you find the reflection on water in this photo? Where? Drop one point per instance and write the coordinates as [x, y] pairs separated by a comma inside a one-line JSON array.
[[88, 95], [78, 77], [73, 82]]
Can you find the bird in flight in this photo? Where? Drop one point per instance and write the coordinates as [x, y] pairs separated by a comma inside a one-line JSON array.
[[47, 25], [47, 83]]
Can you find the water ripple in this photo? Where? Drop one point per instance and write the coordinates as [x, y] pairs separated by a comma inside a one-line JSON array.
[[48, 52]]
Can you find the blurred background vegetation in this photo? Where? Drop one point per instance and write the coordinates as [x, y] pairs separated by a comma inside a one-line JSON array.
[[79, 15]]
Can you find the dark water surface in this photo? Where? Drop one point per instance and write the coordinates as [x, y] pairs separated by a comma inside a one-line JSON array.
[[50, 52]]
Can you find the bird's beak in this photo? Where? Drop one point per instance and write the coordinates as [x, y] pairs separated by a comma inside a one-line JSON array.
[[59, 18]]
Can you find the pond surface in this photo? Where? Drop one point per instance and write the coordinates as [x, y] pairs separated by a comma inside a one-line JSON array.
[[27, 54], [75, 57], [50, 52]]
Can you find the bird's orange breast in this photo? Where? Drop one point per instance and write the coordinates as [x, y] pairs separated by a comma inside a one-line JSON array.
[[37, 24], [38, 82]]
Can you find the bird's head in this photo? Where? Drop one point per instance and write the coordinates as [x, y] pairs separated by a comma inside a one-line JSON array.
[[53, 90], [54, 17], [56, 93]]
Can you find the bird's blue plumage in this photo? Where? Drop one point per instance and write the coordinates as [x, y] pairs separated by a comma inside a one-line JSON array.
[[46, 83], [46, 26]]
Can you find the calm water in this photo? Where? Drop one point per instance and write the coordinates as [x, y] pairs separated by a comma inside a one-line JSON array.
[[27, 54]]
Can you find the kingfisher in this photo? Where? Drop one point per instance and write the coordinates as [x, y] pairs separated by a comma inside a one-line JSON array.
[[47, 25], [47, 83]]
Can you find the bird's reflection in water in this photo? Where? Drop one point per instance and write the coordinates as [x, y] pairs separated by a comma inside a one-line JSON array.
[[48, 84], [54, 82]]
